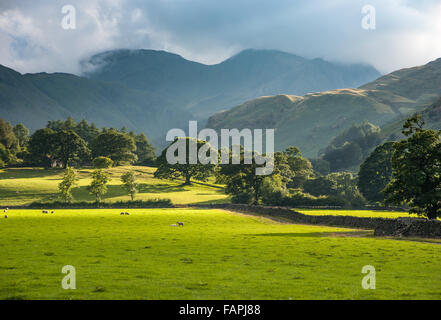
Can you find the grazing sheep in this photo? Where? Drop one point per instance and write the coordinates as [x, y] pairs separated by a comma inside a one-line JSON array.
[[6, 216], [181, 224], [127, 213], [6, 210], [122, 213], [52, 211], [172, 225], [45, 211]]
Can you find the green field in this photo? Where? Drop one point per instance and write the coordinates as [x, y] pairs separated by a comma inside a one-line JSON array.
[[25, 185], [216, 255]]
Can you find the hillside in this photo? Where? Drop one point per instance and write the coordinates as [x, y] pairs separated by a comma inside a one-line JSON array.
[[430, 114], [154, 91], [312, 120], [33, 99]]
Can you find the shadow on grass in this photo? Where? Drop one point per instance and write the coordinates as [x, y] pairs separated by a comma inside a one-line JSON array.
[[161, 188], [81, 192], [18, 173]]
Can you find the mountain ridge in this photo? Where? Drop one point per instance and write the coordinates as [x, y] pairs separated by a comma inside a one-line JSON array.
[[312, 120]]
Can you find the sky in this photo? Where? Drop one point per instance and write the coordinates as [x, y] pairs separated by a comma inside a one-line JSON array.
[[406, 32]]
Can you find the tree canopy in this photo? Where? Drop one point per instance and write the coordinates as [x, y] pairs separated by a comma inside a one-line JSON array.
[[375, 172], [185, 170], [416, 170]]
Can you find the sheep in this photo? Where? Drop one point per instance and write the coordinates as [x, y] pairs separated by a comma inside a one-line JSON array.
[[181, 224], [5, 210], [45, 211], [172, 225], [126, 213], [122, 213], [6, 216], [52, 211]]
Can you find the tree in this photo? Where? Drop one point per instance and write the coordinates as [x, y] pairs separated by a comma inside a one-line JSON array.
[[241, 180], [70, 146], [98, 186], [144, 149], [300, 168], [7, 136], [320, 186], [321, 167], [67, 183], [347, 156], [102, 163], [375, 173], [119, 147], [42, 148], [22, 134], [185, 170], [86, 131], [129, 183], [416, 170]]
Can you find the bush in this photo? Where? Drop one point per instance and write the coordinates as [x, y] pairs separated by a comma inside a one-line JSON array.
[[299, 199], [102, 163]]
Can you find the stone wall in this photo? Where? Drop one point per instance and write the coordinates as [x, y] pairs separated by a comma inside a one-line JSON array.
[[407, 227]]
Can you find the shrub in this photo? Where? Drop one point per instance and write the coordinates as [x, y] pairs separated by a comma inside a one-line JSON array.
[[102, 163]]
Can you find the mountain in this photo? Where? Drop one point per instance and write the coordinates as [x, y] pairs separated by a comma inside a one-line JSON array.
[[312, 120], [33, 99], [206, 89], [154, 91]]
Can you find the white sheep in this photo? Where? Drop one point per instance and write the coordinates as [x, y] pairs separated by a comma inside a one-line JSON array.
[[173, 225]]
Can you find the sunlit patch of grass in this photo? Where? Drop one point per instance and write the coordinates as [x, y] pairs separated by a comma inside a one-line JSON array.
[[216, 255], [20, 186]]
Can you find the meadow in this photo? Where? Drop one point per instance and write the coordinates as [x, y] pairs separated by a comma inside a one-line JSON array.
[[21, 186], [216, 255]]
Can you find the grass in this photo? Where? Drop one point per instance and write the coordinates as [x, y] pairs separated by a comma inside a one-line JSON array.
[[216, 255], [20, 186], [355, 213]]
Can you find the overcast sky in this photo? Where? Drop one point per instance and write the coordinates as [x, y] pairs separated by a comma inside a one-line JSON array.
[[408, 32]]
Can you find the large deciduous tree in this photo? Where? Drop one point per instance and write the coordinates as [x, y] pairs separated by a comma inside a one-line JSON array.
[[70, 147], [416, 170], [375, 173], [185, 169], [42, 148], [119, 147]]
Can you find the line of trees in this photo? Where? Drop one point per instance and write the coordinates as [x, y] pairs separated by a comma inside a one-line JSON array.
[[98, 185], [67, 143], [404, 173]]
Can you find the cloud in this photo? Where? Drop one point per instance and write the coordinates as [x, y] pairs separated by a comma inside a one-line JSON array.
[[208, 31]]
